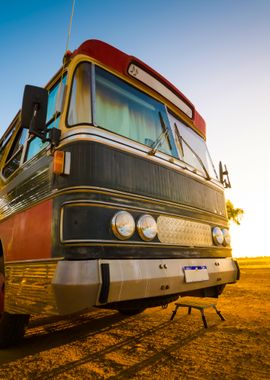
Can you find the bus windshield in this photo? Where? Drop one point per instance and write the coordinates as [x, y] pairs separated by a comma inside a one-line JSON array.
[[119, 108], [192, 148], [102, 99]]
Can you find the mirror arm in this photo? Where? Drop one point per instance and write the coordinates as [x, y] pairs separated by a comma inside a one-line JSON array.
[[222, 173], [54, 134]]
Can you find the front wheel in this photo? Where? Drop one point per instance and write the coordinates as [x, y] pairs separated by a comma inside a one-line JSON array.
[[12, 328]]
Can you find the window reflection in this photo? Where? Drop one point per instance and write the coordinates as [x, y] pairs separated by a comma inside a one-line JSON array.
[[80, 110], [119, 108], [129, 112], [55, 100], [197, 144], [14, 156], [35, 145]]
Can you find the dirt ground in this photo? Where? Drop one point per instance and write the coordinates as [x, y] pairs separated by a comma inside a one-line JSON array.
[[106, 345]]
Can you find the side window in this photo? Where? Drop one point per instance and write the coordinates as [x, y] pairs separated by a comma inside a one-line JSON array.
[[5, 142], [55, 102], [15, 154], [80, 110]]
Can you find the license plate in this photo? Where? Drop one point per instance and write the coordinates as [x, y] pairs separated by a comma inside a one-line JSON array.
[[196, 273]]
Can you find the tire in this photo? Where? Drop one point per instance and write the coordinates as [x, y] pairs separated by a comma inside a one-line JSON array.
[[131, 312], [2, 290], [12, 328]]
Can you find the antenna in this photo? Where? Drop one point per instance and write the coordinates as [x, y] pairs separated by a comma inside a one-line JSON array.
[[70, 25], [59, 95]]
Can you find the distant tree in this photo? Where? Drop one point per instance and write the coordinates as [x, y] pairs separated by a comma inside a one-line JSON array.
[[234, 214]]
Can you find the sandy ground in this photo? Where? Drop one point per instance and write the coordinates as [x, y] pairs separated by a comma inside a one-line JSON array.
[[104, 344]]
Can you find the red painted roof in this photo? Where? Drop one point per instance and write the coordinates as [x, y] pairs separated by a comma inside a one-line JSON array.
[[119, 61]]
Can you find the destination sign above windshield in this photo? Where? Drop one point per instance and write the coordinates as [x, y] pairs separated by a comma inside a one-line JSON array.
[[156, 85]]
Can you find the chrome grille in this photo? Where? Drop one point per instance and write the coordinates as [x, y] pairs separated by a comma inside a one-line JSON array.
[[28, 288], [183, 232], [24, 190]]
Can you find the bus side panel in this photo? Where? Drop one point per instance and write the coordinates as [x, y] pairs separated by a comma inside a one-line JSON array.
[[28, 234]]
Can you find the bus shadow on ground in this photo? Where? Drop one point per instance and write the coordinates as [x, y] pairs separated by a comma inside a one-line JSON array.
[[51, 332], [46, 333]]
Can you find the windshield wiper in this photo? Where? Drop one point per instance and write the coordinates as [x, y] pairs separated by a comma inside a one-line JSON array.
[[164, 134], [181, 139]]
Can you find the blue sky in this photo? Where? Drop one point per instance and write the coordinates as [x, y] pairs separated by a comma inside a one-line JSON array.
[[216, 52]]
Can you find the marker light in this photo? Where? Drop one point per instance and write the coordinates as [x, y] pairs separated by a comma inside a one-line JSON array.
[[147, 227], [218, 236], [58, 162], [227, 237], [123, 225]]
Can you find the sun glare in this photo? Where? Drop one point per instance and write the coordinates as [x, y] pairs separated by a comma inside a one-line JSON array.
[[245, 240]]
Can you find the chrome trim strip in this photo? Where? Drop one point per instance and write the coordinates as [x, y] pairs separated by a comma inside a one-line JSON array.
[[31, 189], [34, 261], [127, 207], [131, 244], [27, 170], [132, 196], [91, 242], [67, 163], [93, 92]]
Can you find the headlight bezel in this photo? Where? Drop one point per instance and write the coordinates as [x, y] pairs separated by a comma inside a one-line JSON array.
[[142, 229], [217, 235], [227, 237], [116, 228]]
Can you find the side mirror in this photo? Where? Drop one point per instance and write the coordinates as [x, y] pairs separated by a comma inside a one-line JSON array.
[[224, 176], [34, 114], [34, 110]]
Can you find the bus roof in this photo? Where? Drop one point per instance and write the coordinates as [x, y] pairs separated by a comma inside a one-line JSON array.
[[121, 62]]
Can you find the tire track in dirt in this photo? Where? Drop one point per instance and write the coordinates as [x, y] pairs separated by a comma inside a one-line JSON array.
[[135, 350], [97, 356]]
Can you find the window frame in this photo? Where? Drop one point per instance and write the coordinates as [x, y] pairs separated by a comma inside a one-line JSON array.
[[13, 150], [5, 141], [92, 92]]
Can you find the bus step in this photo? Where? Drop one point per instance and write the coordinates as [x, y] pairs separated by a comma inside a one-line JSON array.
[[200, 307]]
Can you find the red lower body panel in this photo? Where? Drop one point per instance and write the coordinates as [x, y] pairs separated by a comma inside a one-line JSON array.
[[28, 234]]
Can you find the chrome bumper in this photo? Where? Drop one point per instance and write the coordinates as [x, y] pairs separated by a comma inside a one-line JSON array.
[[64, 287]]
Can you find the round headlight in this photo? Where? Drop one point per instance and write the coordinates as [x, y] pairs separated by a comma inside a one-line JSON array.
[[227, 237], [217, 236], [123, 225], [147, 227]]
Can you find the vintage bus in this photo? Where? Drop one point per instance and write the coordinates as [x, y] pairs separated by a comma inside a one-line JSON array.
[[109, 197]]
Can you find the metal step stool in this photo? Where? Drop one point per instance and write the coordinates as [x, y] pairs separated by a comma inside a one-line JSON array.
[[201, 307]]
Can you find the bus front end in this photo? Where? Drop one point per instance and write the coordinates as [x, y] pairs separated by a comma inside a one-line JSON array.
[[135, 217]]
